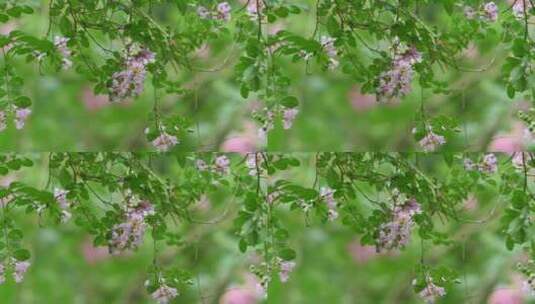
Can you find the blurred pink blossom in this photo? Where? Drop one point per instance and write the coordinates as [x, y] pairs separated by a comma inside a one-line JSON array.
[[94, 102], [471, 202], [245, 293], [361, 254], [359, 101], [239, 296], [506, 296], [243, 141], [92, 254], [6, 29], [510, 142]]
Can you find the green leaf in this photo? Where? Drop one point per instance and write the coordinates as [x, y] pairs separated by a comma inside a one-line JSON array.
[[287, 254], [23, 102], [21, 254], [290, 102]]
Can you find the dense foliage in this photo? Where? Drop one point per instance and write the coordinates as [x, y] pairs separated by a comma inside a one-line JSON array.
[[384, 47], [391, 201]]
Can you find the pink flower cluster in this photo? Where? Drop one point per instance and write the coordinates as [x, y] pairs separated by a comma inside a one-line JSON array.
[[395, 234], [164, 142], [164, 294], [222, 12], [61, 45], [518, 8], [129, 234], [328, 46], [253, 8], [488, 165], [268, 124], [528, 285], [396, 82], [253, 161], [64, 204], [285, 268], [327, 195], [221, 165], [431, 141], [288, 117], [130, 81], [20, 117], [431, 292], [488, 12], [19, 269]]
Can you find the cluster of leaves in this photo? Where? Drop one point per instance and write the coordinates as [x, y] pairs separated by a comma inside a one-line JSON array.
[[365, 34]]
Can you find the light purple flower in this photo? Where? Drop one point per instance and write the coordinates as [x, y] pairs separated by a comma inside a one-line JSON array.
[[223, 11], [489, 164], [395, 234], [20, 269], [21, 115], [396, 82], [431, 141], [164, 294], [3, 121], [288, 117], [165, 142], [431, 292], [61, 45], [222, 164], [490, 11], [130, 81], [286, 267]]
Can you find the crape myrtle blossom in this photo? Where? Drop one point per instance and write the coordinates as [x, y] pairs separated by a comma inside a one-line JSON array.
[[3, 121], [253, 162], [328, 46], [165, 142], [61, 45], [518, 8], [129, 234], [61, 198], [327, 195], [268, 124], [490, 11], [396, 82], [21, 115], [487, 12], [19, 269], [431, 141], [221, 12], [395, 234], [253, 7], [285, 268], [164, 294], [288, 117], [431, 292], [488, 165], [130, 81], [2, 274], [220, 165], [528, 285]]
